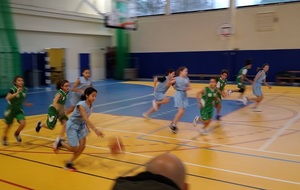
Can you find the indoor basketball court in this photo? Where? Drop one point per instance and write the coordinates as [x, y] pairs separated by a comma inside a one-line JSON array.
[[246, 150], [124, 44]]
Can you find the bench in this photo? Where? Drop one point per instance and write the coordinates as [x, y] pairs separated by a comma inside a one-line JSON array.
[[288, 77]]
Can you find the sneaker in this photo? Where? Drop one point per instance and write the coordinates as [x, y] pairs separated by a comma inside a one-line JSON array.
[[229, 92], [38, 126], [57, 144], [4, 141], [195, 121], [218, 117], [255, 109], [245, 100], [146, 116], [203, 131], [173, 128], [154, 105], [70, 167], [18, 138]]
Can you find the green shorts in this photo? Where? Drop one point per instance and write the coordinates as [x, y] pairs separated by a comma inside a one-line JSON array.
[[52, 117], [206, 113], [241, 85], [11, 113]]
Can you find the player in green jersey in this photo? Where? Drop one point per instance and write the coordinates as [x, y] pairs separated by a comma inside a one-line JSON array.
[[56, 110], [15, 98], [240, 79], [206, 98], [222, 81]]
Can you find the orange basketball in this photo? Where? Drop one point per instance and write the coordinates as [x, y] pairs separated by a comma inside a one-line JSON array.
[[116, 145]]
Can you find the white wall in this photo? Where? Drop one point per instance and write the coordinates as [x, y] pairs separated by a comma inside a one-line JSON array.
[[67, 24], [198, 31]]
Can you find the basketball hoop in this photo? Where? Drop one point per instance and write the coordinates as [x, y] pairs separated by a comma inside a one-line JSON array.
[[129, 25]]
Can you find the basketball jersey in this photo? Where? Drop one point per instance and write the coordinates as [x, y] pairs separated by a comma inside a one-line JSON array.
[[63, 96], [76, 116], [84, 83], [221, 84], [243, 71], [181, 83], [18, 100], [261, 79], [209, 96], [161, 87]]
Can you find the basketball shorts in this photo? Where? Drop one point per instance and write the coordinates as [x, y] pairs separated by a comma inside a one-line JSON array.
[[206, 113], [11, 113]]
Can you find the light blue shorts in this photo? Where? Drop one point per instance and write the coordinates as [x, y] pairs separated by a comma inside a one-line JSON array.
[[76, 132], [159, 96], [75, 98], [256, 89], [181, 100]]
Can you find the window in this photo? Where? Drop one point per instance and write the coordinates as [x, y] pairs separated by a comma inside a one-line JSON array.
[[150, 7], [155, 7], [241, 3], [197, 5]]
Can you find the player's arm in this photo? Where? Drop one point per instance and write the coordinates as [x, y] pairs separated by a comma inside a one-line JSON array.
[[55, 100], [155, 83], [74, 89], [188, 87], [244, 78], [265, 83], [218, 87], [11, 94], [88, 122], [199, 96], [170, 82]]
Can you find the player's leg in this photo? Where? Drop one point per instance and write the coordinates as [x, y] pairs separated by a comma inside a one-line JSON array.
[[22, 123], [63, 121], [149, 112], [8, 119], [51, 120], [165, 100]]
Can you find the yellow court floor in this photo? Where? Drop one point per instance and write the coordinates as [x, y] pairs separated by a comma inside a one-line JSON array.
[[246, 150]]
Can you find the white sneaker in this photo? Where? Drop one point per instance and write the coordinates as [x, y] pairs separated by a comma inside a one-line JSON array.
[[146, 116], [203, 131], [56, 144], [255, 109], [229, 92], [245, 101], [195, 121], [154, 105]]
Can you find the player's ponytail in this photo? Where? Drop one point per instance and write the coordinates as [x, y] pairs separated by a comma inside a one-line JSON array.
[[262, 68], [162, 79], [88, 91]]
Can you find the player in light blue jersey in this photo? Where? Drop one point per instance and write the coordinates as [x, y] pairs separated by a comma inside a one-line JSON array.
[[77, 127], [182, 84], [259, 80], [160, 89], [78, 88]]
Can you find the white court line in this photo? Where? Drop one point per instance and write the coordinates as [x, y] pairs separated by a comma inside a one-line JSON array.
[[201, 142], [190, 164], [120, 108], [279, 132], [39, 92], [129, 99], [188, 140]]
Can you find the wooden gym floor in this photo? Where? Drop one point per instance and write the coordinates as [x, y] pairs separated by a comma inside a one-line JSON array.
[[246, 150]]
